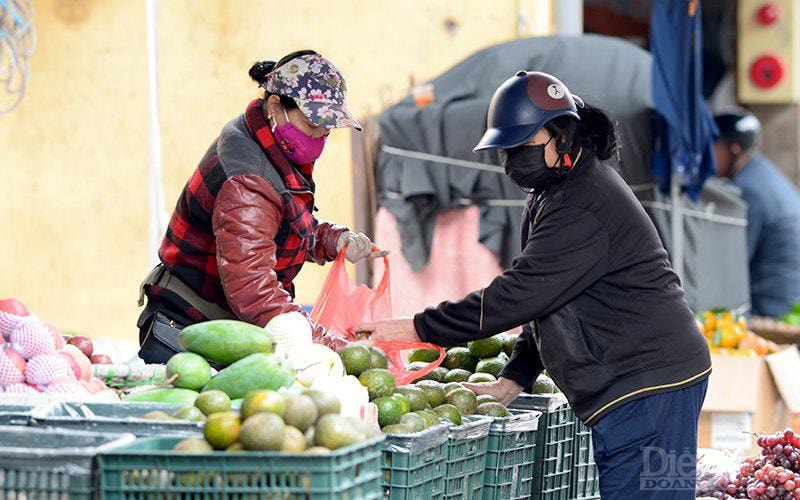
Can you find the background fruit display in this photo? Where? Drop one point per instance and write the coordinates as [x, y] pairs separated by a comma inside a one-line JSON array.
[[727, 333], [773, 474], [36, 358], [793, 317]]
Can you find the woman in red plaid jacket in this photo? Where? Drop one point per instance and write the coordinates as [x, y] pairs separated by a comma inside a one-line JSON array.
[[244, 224]]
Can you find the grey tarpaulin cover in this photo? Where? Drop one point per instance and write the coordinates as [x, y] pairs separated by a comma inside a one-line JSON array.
[[605, 71]]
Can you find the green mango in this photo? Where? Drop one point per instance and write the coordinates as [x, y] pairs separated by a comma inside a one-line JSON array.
[[225, 341], [256, 371], [172, 395]]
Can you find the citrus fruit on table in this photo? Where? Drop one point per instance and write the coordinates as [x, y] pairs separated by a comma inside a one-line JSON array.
[[301, 412], [263, 401], [213, 402], [222, 429], [335, 431], [263, 432]]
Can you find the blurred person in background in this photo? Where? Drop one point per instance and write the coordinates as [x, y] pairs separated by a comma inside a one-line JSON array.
[[244, 225], [773, 216]]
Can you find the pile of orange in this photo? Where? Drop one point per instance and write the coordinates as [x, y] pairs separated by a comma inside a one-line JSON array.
[[727, 334]]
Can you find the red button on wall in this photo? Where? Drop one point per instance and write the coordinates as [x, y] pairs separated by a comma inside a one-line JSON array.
[[767, 71], [768, 14]]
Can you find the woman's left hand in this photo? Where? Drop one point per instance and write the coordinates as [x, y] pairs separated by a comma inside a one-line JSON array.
[[401, 329], [359, 247]]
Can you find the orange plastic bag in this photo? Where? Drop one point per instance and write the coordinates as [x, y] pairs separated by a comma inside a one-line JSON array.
[[342, 304]]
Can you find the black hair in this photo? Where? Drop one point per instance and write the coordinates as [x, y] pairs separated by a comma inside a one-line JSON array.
[[259, 71], [596, 130]]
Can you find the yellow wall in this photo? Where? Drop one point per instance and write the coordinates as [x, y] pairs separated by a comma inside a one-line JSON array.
[[73, 156]]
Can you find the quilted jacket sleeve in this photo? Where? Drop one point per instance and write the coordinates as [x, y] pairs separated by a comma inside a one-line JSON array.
[[246, 218]]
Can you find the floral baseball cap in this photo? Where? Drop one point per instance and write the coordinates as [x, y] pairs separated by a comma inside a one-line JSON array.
[[317, 87]]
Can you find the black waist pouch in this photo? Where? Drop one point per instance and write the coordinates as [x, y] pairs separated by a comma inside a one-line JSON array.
[[158, 338]]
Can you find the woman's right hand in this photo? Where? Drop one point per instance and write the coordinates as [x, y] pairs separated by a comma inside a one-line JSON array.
[[504, 389]]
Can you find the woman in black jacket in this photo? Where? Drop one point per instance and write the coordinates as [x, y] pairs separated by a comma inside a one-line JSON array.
[[602, 309]]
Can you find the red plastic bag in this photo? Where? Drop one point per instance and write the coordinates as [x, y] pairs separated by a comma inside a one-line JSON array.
[[343, 304]]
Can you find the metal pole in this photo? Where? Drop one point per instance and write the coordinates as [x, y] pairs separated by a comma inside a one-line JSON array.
[[677, 225], [156, 216]]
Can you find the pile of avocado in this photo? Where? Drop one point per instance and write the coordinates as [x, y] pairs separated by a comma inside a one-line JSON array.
[[413, 408]]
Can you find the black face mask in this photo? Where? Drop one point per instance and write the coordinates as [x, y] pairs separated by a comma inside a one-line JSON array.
[[526, 166]]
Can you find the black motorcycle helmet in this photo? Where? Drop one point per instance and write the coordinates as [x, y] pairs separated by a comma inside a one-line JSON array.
[[522, 105], [737, 125]]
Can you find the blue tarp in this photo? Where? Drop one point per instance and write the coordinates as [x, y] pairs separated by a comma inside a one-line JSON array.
[[684, 129]]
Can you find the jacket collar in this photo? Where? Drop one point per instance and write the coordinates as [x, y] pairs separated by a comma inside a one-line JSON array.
[[296, 177]]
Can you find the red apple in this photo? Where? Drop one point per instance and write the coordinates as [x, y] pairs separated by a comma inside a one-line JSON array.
[[82, 343], [13, 306], [57, 338], [80, 364], [101, 359]]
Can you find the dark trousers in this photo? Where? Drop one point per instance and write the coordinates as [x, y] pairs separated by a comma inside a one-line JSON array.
[[647, 449]]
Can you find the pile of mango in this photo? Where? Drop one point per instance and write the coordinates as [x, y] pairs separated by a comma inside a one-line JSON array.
[[726, 333], [244, 351]]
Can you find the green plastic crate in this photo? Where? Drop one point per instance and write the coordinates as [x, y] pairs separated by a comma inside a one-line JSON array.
[[554, 459], [414, 465], [148, 468], [14, 414], [466, 458], [114, 418], [509, 456], [585, 479], [51, 464]]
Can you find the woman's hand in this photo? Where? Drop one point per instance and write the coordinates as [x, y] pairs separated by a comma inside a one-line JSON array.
[[401, 329], [359, 247], [504, 389]]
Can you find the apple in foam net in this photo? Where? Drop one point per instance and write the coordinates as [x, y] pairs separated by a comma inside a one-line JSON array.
[[57, 338], [16, 359], [80, 364], [13, 306]]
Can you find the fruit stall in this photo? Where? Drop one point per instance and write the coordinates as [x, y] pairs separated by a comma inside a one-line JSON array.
[[248, 412]]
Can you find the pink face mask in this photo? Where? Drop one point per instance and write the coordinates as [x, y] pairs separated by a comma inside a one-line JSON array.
[[296, 145]]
